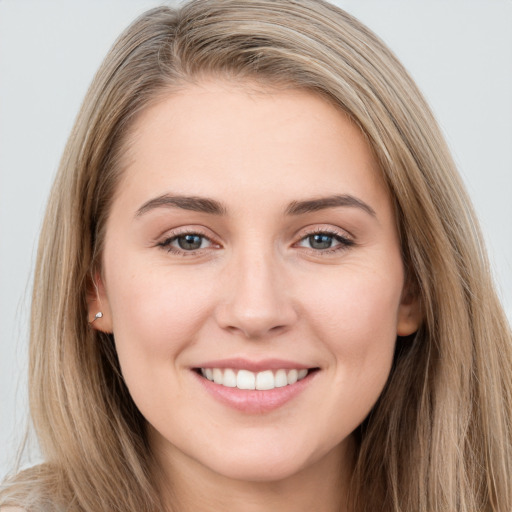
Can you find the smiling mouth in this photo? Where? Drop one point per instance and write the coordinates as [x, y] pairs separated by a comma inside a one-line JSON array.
[[245, 379]]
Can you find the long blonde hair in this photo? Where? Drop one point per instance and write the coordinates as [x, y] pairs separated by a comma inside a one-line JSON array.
[[439, 438]]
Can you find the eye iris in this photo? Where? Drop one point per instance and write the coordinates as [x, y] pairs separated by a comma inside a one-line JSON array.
[[320, 241], [190, 242]]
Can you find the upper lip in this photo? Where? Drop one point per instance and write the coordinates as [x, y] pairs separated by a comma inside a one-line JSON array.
[[255, 366]]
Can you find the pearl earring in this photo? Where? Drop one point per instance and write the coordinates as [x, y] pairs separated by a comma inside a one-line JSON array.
[[99, 314]]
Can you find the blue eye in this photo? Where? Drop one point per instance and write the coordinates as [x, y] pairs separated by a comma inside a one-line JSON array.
[[325, 241], [320, 241], [187, 242]]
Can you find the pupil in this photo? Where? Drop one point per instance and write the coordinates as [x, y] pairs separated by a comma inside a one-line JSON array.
[[190, 242], [320, 241]]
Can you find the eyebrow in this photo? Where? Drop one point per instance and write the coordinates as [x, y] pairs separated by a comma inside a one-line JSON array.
[[314, 205], [213, 207], [192, 203]]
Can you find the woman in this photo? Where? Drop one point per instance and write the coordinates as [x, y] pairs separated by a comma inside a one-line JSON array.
[[259, 282]]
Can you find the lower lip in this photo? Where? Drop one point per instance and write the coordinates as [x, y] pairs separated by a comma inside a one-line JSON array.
[[255, 401]]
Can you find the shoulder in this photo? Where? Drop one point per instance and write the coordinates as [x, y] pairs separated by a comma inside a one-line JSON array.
[[24, 491], [32, 489]]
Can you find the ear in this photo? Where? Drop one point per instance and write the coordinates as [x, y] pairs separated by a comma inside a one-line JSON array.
[[410, 315], [97, 302]]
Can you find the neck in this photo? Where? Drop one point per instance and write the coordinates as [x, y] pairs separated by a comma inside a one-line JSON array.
[[188, 486]]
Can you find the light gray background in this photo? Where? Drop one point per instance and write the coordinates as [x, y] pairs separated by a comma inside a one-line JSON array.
[[459, 51]]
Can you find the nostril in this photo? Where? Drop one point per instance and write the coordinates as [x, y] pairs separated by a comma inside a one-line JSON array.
[[256, 310]]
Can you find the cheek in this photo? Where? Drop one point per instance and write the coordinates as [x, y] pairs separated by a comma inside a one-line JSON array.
[[155, 312], [356, 318], [156, 317], [357, 304]]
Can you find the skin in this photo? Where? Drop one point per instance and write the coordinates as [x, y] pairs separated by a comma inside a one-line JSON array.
[[257, 288]]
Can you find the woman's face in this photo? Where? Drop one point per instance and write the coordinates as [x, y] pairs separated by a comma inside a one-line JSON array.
[[252, 241]]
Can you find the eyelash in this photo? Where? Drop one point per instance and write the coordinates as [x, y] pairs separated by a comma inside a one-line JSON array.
[[166, 244], [344, 242]]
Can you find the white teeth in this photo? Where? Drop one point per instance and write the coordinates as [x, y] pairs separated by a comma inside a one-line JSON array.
[[281, 379], [265, 380], [218, 376], [244, 379], [229, 378], [293, 375]]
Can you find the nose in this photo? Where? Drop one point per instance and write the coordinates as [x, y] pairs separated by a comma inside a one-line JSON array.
[[257, 301]]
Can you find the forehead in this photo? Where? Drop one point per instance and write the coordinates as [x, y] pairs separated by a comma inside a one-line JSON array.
[[224, 137]]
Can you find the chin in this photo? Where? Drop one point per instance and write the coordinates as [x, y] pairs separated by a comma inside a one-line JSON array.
[[264, 465], [259, 471]]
